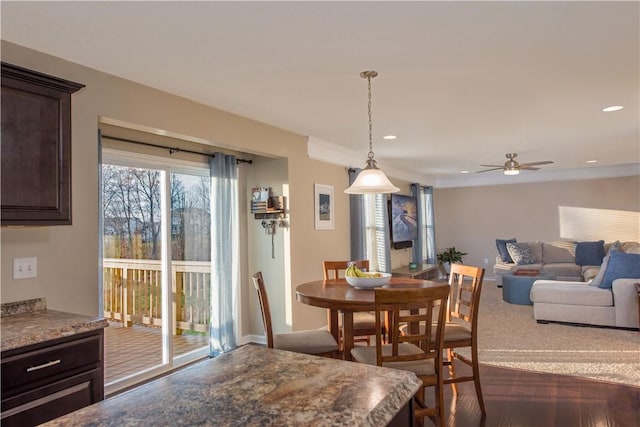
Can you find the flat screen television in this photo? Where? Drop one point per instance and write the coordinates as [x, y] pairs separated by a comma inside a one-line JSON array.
[[403, 215]]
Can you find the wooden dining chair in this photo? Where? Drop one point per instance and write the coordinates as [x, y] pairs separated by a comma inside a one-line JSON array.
[[461, 328], [419, 349], [319, 342], [364, 323]]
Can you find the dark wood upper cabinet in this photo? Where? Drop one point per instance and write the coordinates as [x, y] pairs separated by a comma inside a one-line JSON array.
[[36, 147]]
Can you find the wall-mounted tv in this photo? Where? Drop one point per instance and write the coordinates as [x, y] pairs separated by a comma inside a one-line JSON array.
[[403, 214]]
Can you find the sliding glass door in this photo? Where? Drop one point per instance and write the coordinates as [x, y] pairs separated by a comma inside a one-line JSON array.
[[156, 265]]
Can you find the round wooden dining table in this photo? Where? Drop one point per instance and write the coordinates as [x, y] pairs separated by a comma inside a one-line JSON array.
[[339, 297]]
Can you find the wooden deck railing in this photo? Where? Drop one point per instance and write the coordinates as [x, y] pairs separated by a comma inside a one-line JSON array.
[[133, 293]]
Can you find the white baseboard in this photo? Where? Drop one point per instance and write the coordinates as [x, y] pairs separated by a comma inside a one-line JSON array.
[[256, 339]]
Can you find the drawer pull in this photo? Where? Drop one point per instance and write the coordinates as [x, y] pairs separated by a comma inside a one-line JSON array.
[[44, 365]]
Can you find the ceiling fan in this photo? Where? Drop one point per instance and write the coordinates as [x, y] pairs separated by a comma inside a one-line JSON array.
[[512, 167]]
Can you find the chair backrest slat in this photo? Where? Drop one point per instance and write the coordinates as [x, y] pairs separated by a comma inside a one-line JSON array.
[[466, 285], [258, 283], [426, 305]]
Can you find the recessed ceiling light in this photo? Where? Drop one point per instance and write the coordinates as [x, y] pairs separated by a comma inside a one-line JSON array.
[[464, 171], [592, 161], [389, 137], [612, 108]]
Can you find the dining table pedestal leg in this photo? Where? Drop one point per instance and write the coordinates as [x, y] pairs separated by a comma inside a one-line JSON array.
[[347, 333], [334, 328]]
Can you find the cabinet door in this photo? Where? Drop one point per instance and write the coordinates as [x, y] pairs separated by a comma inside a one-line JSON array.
[[36, 147]]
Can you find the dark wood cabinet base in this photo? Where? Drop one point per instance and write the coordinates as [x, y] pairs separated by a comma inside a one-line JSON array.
[[51, 379]]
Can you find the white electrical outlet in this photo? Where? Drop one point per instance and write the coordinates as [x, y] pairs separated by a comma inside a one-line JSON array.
[[486, 261], [25, 268]]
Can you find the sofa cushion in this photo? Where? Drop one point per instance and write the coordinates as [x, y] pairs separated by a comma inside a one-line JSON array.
[[521, 253], [615, 246], [590, 253], [621, 265], [501, 244], [589, 272], [570, 293], [558, 252], [630, 247], [536, 248], [566, 269]]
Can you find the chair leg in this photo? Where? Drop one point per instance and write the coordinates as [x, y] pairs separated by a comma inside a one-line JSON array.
[[440, 404], [476, 379], [452, 369], [419, 403]]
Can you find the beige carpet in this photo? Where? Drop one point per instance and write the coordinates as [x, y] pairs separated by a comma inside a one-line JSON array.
[[509, 336]]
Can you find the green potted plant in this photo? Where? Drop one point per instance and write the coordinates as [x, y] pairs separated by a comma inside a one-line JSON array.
[[449, 256]]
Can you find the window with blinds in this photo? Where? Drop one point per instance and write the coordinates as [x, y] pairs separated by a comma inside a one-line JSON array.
[[428, 226], [375, 206]]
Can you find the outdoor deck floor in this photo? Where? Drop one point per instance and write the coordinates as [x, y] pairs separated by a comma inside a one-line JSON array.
[[134, 349]]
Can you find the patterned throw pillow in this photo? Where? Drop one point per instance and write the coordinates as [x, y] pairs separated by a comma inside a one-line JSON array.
[[501, 244], [615, 246], [521, 253]]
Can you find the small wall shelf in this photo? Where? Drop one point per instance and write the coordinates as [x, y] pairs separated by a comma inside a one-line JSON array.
[[272, 207]]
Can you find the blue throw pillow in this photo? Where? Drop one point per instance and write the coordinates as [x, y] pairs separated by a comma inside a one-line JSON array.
[[621, 265], [590, 253], [502, 249]]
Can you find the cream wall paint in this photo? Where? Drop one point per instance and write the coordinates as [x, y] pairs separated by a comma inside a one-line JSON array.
[[68, 255], [472, 218], [271, 173]]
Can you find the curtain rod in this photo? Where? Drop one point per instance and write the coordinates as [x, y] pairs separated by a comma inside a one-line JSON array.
[[171, 150]]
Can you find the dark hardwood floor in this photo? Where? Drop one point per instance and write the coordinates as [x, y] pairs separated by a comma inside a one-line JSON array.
[[519, 398]]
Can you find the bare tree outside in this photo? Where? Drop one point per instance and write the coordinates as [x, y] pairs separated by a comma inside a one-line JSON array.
[[132, 212]]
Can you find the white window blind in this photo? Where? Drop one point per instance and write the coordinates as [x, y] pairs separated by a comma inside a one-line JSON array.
[[375, 206]]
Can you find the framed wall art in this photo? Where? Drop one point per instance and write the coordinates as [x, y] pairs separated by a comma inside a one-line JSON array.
[[323, 206]]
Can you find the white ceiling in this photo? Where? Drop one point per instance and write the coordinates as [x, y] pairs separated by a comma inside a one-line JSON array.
[[460, 83]]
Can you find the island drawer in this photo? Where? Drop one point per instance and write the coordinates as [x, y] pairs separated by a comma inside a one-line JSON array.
[[52, 400], [48, 362]]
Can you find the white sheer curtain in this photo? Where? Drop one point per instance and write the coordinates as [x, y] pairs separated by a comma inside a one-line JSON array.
[[224, 253]]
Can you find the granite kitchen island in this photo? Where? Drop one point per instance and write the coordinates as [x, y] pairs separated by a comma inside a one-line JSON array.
[[254, 385]]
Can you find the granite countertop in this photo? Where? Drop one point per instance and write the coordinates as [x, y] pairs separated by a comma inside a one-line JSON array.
[[254, 385], [28, 322]]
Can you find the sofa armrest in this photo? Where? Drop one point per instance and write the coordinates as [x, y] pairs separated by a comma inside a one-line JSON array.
[[625, 299]]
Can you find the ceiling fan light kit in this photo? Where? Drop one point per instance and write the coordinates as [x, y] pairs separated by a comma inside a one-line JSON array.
[[371, 179], [513, 171], [512, 167]]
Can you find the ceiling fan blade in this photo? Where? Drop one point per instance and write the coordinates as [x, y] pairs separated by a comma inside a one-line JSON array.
[[488, 170], [528, 168], [492, 166], [546, 162]]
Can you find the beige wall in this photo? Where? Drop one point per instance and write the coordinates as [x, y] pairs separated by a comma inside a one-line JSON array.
[[472, 218], [68, 266]]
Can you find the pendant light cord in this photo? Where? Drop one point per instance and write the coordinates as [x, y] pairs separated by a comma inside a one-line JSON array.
[[370, 155]]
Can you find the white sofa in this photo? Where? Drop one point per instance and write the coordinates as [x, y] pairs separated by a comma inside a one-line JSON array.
[[578, 302], [557, 259], [586, 302]]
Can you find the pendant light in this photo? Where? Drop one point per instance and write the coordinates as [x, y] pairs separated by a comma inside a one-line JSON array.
[[371, 179]]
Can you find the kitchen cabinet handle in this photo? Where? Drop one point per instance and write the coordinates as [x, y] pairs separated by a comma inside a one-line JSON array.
[[44, 365]]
